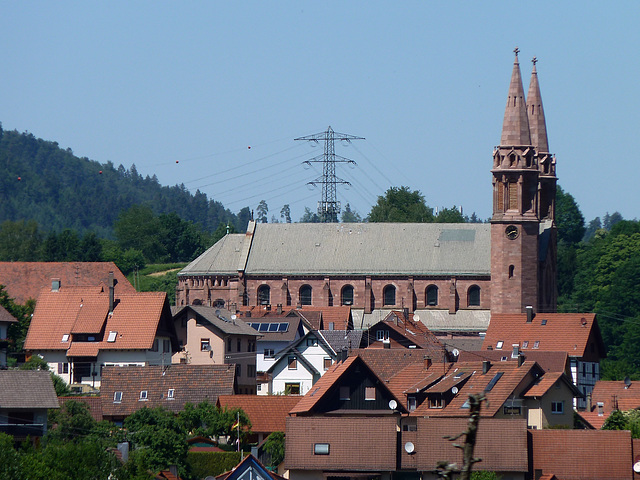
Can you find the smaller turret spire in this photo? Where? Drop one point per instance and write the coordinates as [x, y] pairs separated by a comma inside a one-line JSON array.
[[515, 127], [535, 112]]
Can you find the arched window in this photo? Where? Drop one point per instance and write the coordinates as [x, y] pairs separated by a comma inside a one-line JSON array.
[[432, 295], [264, 295], [389, 295], [197, 301], [347, 295], [473, 296], [305, 295], [218, 303]]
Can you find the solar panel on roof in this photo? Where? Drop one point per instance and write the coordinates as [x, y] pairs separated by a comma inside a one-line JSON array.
[[283, 327], [273, 327], [255, 326], [264, 327], [493, 381]]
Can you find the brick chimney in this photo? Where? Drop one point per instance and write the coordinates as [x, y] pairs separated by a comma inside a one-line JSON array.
[[486, 365], [111, 292]]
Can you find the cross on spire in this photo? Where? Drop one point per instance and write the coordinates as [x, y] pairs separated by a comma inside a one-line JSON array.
[[534, 60], [516, 51]]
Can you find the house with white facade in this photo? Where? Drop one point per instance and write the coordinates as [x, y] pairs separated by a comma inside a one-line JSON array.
[[79, 330], [300, 365]]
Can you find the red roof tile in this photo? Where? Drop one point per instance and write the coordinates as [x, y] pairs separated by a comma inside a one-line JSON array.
[[266, 412], [612, 395], [560, 332], [549, 361], [25, 280], [583, 454]]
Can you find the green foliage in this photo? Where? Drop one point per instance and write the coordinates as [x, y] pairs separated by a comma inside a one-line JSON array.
[[285, 213], [309, 216], [17, 331], [204, 464], [61, 387], [450, 215], [35, 362], [350, 216], [207, 420], [484, 475], [274, 446], [261, 212], [9, 459], [158, 439], [20, 241], [401, 205], [629, 420], [569, 219]]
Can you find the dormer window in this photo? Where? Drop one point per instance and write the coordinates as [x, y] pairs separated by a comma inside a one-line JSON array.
[[143, 395], [117, 397], [171, 394]]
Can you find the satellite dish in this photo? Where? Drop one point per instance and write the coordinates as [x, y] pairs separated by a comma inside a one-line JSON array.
[[409, 447], [234, 316], [455, 352], [636, 467], [454, 390], [416, 317], [393, 404]]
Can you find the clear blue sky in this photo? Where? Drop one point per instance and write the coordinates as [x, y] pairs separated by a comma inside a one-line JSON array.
[[153, 83]]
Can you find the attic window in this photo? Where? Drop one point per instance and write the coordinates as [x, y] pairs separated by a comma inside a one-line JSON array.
[[544, 321], [345, 393], [321, 449], [499, 344], [65, 337], [292, 363], [503, 359], [143, 395], [525, 344], [370, 393], [117, 397], [112, 336], [536, 344], [171, 394], [493, 381]]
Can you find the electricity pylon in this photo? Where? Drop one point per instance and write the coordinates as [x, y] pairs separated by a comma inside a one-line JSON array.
[[329, 207]]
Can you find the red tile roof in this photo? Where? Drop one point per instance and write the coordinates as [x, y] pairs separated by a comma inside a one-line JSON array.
[[613, 395], [500, 443], [560, 332], [25, 280], [583, 454], [355, 444], [93, 403], [136, 318], [549, 361], [388, 362], [266, 412], [191, 383]]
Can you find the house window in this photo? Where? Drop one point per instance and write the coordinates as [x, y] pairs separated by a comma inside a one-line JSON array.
[[499, 344], [143, 395], [238, 370], [536, 344], [171, 393], [239, 345], [557, 407], [369, 393], [436, 402], [65, 338], [117, 397], [525, 344], [327, 363], [347, 295], [269, 353], [264, 295], [473, 299], [332, 326], [205, 346], [382, 335], [412, 403], [512, 407], [600, 409], [251, 371], [312, 342], [305, 295], [292, 362], [321, 449], [166, 345], [155, 346], [389, 295], [112, 337], [228, 344], [432, 295], [345, 393], [63, 368], [292, 388]]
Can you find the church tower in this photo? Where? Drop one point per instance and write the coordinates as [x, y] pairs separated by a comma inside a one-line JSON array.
[[517, 197]]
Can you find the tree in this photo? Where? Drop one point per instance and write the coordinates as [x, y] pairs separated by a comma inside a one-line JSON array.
[[309, 216], [274, 447], [401, 205], [138, 228], [9, 459], [262, 211], [569, 219], [20, 241], [285, 213], [350, 216], [450, 215], [610, 220], [593, 226]]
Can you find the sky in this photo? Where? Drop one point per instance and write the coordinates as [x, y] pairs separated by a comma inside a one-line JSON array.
[[212, 94]]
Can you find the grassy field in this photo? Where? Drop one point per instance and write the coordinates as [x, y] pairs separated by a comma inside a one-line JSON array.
[[158, 278]]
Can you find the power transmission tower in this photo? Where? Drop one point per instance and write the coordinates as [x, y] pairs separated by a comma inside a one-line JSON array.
[[329, 207]]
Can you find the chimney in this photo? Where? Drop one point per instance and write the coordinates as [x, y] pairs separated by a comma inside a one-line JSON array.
[[279, 309], [516, 350], [248, 314], [386, 344], [111, 293], [589, 402], [520, 359], [405, 312], [529, 310], [486, 365], [427, 362], [344, 354]]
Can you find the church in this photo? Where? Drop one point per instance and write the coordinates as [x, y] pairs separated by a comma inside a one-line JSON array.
[[450, 276]]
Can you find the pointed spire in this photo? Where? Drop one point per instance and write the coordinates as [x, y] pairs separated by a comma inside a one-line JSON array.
[[537, 124], [515, 127]]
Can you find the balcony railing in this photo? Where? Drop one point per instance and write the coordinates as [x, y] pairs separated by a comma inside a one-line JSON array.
[[22, 429]]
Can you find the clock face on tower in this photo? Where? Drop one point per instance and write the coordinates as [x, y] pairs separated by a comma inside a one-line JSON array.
[[512, 232]]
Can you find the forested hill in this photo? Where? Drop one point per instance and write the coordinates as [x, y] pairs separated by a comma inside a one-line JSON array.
[[42, 182]]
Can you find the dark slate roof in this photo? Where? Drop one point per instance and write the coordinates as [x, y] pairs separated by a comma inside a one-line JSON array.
[[5, 316], [223, 320], [191, 383], [340, 339], [27, 389]]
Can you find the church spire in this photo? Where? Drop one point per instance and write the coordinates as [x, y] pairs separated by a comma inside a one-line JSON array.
[[537, 124], [515, 127]]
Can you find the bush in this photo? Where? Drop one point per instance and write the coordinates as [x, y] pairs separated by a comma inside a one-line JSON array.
[[204, 464]]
